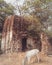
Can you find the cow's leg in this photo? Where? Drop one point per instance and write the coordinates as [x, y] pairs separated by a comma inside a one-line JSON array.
[[37, 58], [28, 60]]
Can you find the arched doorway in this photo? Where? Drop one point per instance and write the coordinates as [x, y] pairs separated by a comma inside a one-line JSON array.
[[24, 44]]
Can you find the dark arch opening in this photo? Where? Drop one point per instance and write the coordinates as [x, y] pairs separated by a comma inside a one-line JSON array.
[[24, 44]]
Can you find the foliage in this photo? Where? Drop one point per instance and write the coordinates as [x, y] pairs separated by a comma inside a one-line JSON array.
[[35, 24], [39, 8], [5, 10]]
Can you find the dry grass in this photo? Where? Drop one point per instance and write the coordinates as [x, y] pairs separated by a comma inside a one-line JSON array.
[[16, 59]]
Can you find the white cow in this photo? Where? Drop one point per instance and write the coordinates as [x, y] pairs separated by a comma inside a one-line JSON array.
[[29, 54]]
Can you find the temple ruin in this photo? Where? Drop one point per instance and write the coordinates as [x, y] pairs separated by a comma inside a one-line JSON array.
[[16, 37]]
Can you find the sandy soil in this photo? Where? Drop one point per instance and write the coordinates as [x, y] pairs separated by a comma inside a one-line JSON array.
[[17, 58]]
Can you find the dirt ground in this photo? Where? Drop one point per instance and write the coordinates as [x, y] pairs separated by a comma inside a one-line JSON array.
[[17, 58]]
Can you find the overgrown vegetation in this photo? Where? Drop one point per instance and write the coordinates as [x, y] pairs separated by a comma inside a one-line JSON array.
[[39, 10], [5, 10]]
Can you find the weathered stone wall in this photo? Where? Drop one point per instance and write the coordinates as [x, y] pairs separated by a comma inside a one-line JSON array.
[[31, 43], [7, 34], [11, 35], [45, 43], [50, 46], [15, 28]]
